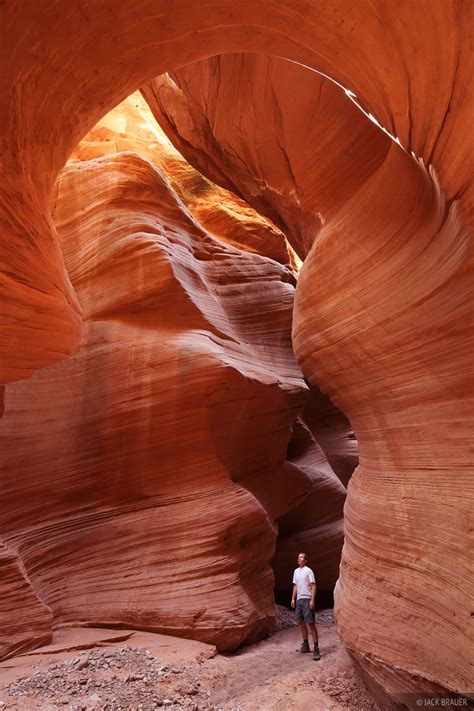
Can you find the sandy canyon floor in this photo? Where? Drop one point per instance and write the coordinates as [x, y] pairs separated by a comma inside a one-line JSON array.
[[115, 670]]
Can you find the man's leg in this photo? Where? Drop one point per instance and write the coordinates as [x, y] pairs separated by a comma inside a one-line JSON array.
[[300, 612], [314, 635], [314, 632]]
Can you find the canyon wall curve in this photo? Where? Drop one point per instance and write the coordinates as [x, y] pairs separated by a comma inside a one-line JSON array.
[[157, 454], [403, 386], [50, 100], [381, 315], [136, 482]]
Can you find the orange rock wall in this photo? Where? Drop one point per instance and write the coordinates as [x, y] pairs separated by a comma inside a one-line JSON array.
[[381, 313], [382, 299], [131, 126], [185, 369], [150, 460], [401, 296], [26, 620], [315, 524], [333, 432], [293, 146], [65, 68]]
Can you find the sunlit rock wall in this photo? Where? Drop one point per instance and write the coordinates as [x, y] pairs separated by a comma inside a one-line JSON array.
[[178, 407], [150, 460], [285, 138], [382, 313], [380, 323]]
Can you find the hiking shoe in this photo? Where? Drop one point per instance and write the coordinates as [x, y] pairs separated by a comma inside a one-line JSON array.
[[316, 654], [304, 647]]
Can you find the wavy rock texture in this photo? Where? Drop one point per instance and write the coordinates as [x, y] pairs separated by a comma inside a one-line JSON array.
[[381, 302], [333, 432], [260, 154], [381, 316], [67, 64], [150, 460], [324, 450], [389, 362], [26, 620], [315, 524], [181, 316], [131, 126]]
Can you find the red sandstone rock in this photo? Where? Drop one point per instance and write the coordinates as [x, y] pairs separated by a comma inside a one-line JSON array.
[[151, 459], [151, 281], [277, 151], [131, 126], [388, 364], [322, 449], [381, 315], [333, 433], [26, 620], [43, 118], [381, 301], [315, 525]]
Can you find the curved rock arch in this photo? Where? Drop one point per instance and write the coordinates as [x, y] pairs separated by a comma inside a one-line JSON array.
[[50, 100]]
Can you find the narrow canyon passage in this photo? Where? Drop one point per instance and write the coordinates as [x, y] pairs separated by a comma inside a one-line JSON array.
[[184, 398], [175, 382], [137, 453], [168, 424]]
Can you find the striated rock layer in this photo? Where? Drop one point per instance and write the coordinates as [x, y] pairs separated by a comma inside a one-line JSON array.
[[388, 364], [26, 620], [296, 149], [68, 63], [201, 331], [381, 316], [131, 126], [323, 450], [150, 460], [333, 432], [315, 524], [381, 313]]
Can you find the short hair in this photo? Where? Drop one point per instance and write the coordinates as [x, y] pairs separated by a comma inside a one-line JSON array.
[[304, 555]]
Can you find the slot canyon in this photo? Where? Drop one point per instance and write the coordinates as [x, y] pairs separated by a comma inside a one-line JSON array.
[[235, 305]]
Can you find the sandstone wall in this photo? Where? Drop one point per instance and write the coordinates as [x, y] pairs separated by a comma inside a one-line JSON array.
[[381, 313], [65, 68], [150, 460]]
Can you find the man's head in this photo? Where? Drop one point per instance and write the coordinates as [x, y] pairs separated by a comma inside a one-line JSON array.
[[302, 560]]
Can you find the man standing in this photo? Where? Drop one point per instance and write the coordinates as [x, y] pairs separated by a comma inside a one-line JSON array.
[[304, 593]]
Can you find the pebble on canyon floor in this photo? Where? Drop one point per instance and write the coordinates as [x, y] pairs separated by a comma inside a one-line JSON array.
[[114, 680]]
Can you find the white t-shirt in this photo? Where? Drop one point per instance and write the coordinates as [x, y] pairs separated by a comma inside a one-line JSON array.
[[302, 578]]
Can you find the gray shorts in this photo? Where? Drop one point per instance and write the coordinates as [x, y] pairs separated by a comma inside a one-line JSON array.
[[303, 612]]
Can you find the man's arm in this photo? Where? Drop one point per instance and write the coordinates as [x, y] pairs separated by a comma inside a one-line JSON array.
[[293, 597], [313, 596]]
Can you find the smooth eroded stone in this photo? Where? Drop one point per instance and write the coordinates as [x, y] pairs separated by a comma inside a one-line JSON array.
[[382, 308], [150, 460], [26, 620]]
